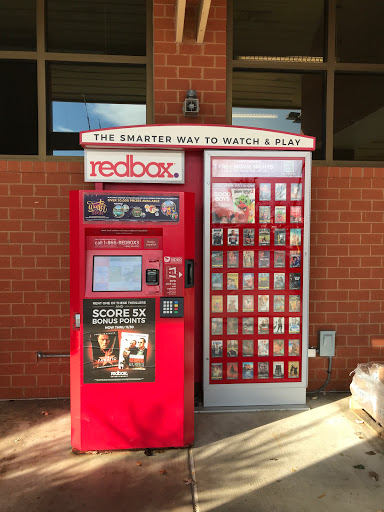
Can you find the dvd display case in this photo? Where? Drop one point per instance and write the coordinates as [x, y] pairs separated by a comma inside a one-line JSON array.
[[256, 277]]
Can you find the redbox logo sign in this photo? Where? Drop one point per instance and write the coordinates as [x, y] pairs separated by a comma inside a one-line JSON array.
[[134, 166]]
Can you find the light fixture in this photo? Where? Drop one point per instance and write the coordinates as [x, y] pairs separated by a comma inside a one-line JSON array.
[[191, 104]]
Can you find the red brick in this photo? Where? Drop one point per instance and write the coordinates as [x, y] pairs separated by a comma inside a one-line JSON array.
[[349, 284], [369, 306], [23, 380]]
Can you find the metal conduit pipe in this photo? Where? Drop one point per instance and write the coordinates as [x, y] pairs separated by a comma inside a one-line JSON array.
[[326, 381], [43, 355]]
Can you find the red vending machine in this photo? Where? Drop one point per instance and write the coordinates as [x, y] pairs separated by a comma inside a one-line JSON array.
[[132, 308]]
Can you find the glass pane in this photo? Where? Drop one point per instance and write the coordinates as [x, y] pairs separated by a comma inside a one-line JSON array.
[[282, 30], [18, 25], [359, 117], [92, 96], [288, 102], [359, 31], [18, 130], [96, 26]]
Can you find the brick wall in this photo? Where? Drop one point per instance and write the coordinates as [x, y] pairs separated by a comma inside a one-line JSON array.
[[187, 65], [347, 269], [34, 276], [346, 287]]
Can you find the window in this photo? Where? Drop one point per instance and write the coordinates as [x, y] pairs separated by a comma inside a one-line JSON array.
[[18, 131], [96, 26], [88, 62], [318, 66], [91, 96], [290, 102]]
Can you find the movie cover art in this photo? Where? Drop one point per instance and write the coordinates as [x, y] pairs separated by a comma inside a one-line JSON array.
[[232, 281], [294, 259], [294, 347], [216, 326], [294, 281], [263, 325], [265, 192], [294, 303], [295, 236], [264, 214], [279, 304], [119, 340], [264, 236], [248, 281], [279, 281], [278, 325], [294, 325], [216, 371], [217, 236], [247, 370], [232, 303], [232, 348], [232, 371], [248, 236], [248, 325], [233, 236], [280, 237], [217, 304], [248, 304], [263, 304], [278, 369], [278, 348], [280, 214], [248, 259], [105, 349], [233, 203], [264, 259], [217, 259], [217, 281], [232, 259], [296, 191], [293, 369], [133, 351], [280, 191], [263, 281], [296, 214], [279, 259], [248, 348], [232, 325], [216, 348], [263, 370], [263, 348]]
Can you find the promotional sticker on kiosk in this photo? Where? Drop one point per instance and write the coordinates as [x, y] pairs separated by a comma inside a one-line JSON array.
[[132, 303]]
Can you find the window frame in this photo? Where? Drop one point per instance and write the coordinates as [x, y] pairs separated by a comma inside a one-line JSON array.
[[329, 66], [42, 57]]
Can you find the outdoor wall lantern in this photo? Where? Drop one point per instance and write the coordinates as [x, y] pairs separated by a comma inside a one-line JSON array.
[[191, 104]]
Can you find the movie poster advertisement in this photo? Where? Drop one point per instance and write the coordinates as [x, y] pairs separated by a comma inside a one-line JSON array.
[[119, 340], [233, 203]]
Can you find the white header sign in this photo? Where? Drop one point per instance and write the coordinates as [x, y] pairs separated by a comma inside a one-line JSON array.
[[195, 136], [127, 166]]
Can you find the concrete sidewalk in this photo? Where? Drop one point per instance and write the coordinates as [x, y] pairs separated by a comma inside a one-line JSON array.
[[251, 461]]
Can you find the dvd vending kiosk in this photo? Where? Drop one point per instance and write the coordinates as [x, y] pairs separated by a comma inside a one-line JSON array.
[[132, 307], [256, 277]]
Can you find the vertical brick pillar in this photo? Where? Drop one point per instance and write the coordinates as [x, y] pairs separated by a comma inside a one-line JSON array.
[[188, 65]]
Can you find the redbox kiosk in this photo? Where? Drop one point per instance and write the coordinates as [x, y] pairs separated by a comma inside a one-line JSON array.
[[132, 308]]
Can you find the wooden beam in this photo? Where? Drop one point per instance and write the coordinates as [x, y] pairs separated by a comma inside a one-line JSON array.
[[203, 18], [180, 16]]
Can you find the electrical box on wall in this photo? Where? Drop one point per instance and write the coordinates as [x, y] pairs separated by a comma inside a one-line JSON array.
[[327, 343]]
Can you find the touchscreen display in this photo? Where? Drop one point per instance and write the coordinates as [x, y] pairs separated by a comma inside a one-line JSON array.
[[117, 273]]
